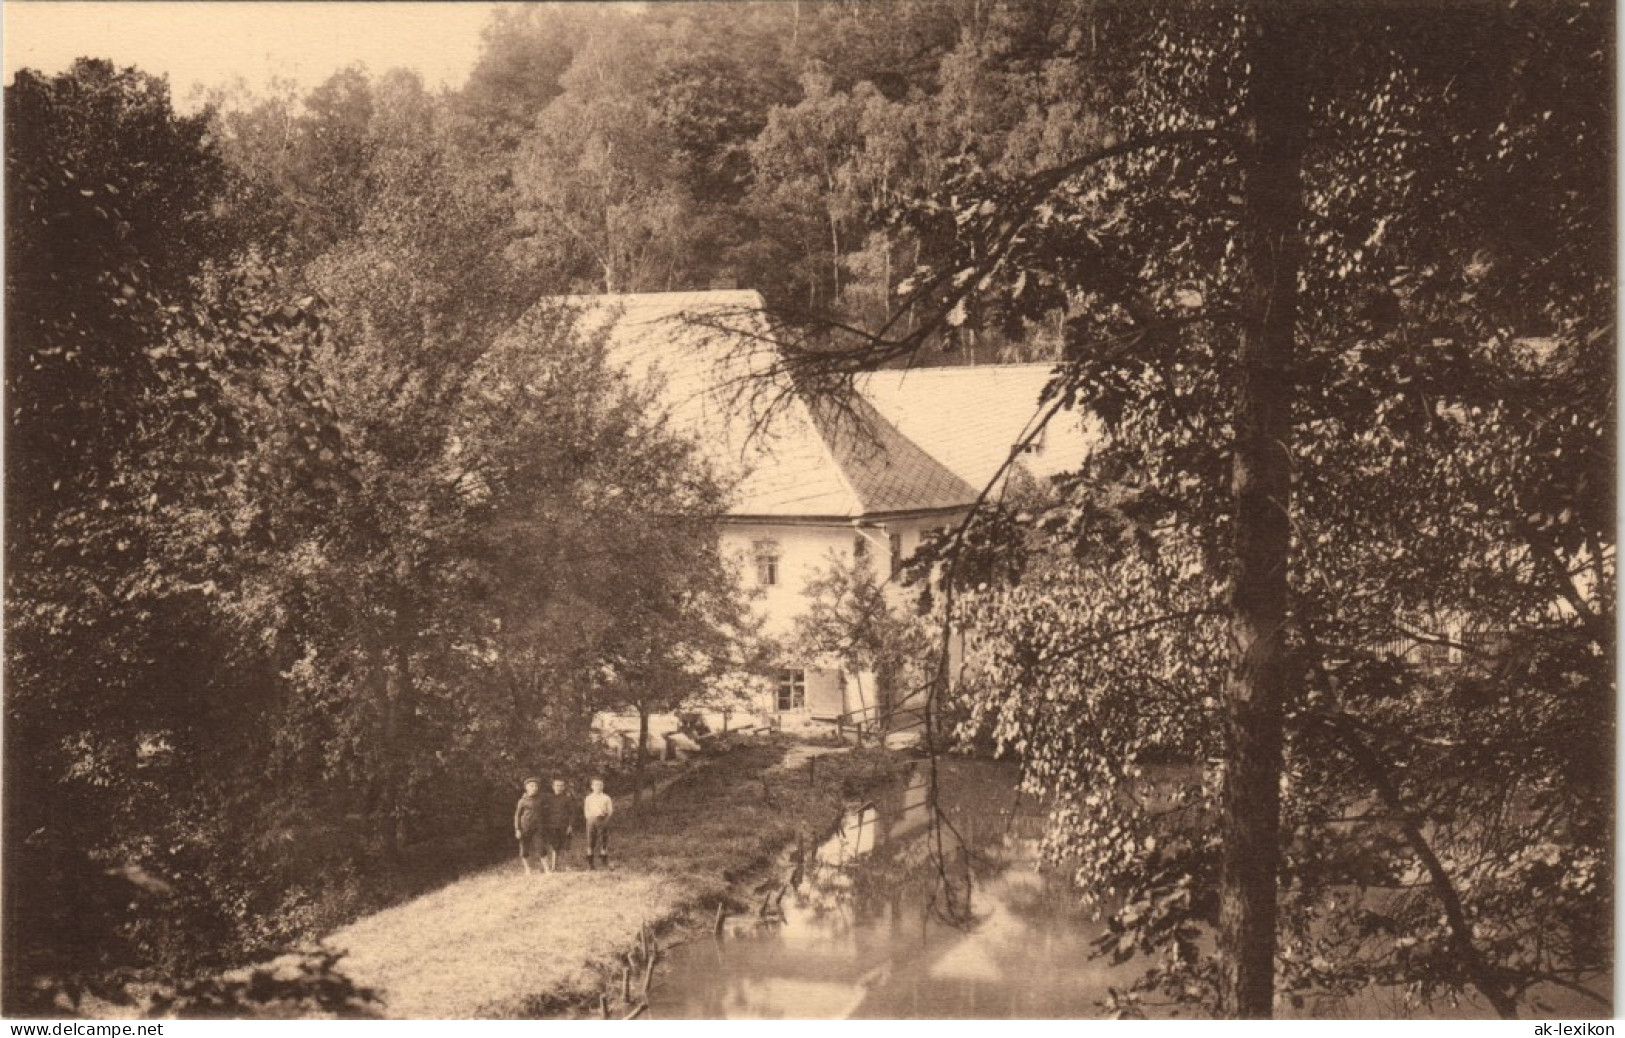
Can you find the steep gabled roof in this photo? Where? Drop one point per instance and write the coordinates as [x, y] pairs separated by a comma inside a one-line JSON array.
[[713, 363], [909, 441], [888, 472], [707, 356], [971, 418]]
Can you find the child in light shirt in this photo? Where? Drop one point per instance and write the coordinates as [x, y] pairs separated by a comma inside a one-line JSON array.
[[598, 808]]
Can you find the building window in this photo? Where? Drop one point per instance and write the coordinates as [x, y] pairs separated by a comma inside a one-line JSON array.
[[767, 563], [860, 549], [896, 544], [1034, 446], [792, 690]]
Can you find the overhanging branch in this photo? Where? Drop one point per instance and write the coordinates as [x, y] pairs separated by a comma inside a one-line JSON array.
[[1485, 977]]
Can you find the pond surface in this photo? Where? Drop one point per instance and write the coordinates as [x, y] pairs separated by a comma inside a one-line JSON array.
[[872, 927]]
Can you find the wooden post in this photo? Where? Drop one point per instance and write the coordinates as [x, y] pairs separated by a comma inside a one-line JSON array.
[[717, 929], [649, 972]]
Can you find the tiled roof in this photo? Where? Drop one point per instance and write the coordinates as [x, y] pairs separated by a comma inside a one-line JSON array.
[[970, 418], [921, 440], [887, 471], [708, 355]]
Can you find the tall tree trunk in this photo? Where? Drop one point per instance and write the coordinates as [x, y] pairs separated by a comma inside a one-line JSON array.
[[830, 188], [1275, 120], [835, 255]]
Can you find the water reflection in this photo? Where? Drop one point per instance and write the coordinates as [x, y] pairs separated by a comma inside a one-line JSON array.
[[896, 917]]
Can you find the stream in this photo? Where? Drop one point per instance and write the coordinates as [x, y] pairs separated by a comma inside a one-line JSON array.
[[871, 927]]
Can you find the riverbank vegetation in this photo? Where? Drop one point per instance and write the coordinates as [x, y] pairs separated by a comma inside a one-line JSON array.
[[322, 531]]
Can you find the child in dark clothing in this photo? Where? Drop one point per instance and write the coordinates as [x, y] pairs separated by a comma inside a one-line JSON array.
[[558, 821], [527, 823]]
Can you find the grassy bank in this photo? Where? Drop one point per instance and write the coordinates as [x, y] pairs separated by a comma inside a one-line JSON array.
[[504, 944]]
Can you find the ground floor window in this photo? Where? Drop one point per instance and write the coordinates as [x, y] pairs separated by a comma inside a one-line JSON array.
[[792, 689]]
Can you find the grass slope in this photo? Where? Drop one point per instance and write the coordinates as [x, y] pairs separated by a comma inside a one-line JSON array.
[[504, 944]]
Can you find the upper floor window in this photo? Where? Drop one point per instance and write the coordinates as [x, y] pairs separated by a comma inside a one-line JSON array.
[[767, 563], [1034, 446]]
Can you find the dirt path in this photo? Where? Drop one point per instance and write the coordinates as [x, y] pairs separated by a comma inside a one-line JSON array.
[[504, 944]]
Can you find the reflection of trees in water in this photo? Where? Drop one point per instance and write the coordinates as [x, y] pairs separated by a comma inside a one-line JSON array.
[[969, 816], [950, 828], [928, 903]]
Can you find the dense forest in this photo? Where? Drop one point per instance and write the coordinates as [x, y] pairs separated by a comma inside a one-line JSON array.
[[323, 524]]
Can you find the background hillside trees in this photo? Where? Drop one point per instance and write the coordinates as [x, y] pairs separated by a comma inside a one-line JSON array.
[[602, 167]]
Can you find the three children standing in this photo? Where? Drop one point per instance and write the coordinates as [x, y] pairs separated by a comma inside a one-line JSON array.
[[544, 823]]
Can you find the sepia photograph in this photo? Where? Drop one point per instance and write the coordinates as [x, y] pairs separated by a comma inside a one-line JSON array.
[[811, 510]]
